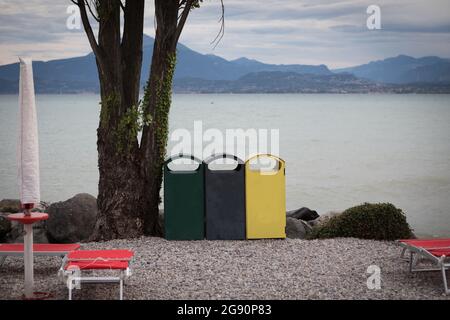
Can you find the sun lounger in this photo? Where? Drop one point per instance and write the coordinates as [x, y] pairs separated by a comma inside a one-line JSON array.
[[77, 262], [435, 251], [424, 243], [44, 249]]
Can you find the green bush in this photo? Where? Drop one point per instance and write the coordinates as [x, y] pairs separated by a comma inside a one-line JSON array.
[[10, 205], [382, 221], [9, 209]]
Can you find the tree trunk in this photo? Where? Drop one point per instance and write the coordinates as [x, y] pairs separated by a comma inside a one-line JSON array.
[[157, 104], [131, 174], [121, 211]]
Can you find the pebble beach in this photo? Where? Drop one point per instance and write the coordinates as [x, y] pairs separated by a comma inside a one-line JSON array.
[[258, 269]]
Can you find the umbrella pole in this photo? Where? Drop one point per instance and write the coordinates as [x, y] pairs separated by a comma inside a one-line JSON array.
[[28, 258]]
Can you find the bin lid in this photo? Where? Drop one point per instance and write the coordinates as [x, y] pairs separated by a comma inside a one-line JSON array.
[[218, 156], [281, 163], [182, 156]]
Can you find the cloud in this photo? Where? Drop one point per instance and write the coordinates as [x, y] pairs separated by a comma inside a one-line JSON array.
[[328, 32]]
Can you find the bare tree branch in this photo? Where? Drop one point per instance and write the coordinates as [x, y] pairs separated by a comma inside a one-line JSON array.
[[181, 8], [92, 12], [221, 32], [88, 29], [183, 17]]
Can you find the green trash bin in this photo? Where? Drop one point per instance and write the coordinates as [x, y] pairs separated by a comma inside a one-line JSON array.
[[184, 213]]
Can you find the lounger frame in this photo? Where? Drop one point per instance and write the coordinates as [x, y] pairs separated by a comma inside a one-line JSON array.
[[73, 277], [416, 254]]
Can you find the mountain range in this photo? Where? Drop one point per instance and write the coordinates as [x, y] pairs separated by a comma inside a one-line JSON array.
[[404, 69], [196, 72]]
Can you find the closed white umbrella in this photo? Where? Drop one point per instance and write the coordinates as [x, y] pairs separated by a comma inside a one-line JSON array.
[[28, 145], [28, 165]]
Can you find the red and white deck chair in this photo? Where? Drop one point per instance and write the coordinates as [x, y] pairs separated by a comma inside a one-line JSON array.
[[436, 251], [77, 262], [44, 249]]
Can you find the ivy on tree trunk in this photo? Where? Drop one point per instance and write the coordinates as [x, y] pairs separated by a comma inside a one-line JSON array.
[[131, 173]]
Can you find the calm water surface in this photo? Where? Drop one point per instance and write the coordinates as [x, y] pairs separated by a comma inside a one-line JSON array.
[[341, 150]]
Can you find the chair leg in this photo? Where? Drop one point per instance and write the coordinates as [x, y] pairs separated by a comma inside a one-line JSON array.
[[71, 286], [444, 279], [411, 261], [402, 256]]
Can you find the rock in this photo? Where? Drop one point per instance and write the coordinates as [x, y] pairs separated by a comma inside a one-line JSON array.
[[323, 218], [327, 216], [12, 232], [10, 205], [5, 228], [313, 223], [13, 206], [41, 207], [304, 214], [297, 229], [40, 235], [17, 232], [72, 220]]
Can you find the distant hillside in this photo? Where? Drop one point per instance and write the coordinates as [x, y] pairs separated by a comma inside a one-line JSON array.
[[276, 82], [80, 74], [403, 70], [292, 82], [196, 72]]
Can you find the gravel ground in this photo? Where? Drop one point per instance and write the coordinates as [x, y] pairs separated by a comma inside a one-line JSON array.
[[257, 269]]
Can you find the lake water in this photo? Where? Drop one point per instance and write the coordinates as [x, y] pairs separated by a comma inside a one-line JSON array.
[[340, 150]]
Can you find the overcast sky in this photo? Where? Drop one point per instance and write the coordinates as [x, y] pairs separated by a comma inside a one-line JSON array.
[[274, 31]]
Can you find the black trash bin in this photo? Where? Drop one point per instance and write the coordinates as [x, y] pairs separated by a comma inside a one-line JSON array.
[[225, 200], [184, 213]]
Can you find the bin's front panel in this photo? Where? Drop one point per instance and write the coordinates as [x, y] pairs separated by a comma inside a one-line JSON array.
[[225, 204], [265, 204], [184, 205]]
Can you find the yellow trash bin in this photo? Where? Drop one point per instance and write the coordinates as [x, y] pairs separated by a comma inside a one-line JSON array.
[[265, 200]]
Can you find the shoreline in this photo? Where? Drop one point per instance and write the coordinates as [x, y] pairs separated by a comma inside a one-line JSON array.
[[257, 269], [245, 93]]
